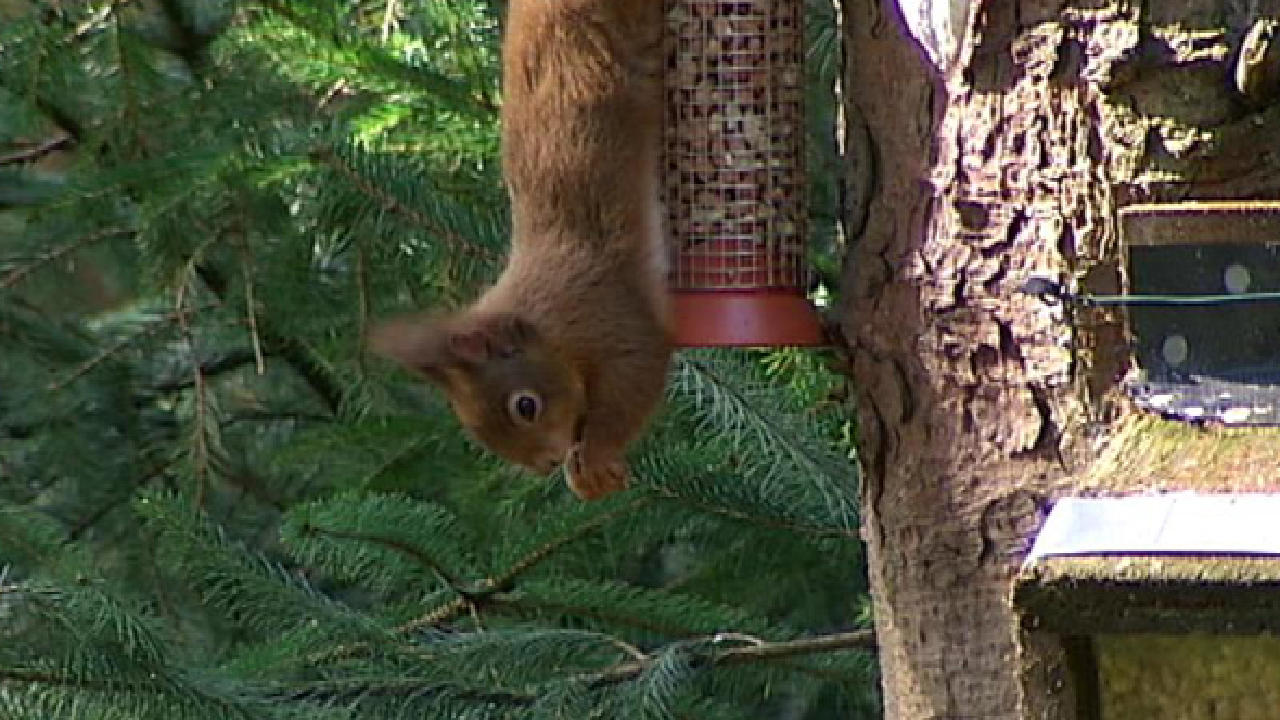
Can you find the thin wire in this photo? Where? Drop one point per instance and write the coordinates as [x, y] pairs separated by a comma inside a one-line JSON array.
[[1176, 300]]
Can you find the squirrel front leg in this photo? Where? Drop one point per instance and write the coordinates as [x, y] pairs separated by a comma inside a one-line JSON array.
[[616, 413]]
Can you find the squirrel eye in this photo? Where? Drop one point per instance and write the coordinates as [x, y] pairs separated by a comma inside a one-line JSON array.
[[525, 406]]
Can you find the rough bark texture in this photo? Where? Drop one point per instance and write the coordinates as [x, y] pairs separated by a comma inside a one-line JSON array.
[[980, 404]]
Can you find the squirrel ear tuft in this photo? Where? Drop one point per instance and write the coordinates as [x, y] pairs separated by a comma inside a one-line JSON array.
[[522, 330], [433, 344], [420, 343], [469, 345], [508, 333]]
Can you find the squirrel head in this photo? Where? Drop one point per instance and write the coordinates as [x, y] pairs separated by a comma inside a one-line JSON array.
[[507, 386]]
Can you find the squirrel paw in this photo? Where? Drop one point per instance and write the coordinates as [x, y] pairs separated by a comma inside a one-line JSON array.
[[596, 481]]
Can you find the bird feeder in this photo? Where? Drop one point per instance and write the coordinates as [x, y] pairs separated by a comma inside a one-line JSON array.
[[1205, 279], [734, 173]]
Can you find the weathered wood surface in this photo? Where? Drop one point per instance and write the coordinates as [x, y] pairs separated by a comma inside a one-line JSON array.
[[979, 404]]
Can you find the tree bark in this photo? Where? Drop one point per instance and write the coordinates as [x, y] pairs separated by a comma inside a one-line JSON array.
[[979, 404]]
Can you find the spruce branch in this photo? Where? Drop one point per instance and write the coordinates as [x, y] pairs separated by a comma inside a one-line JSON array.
[[362, 297], [540, 553], [506, 579], [409, 450], [373, 61], [519, 601], [228, 362], [269, 416], [392, 204], [157, 686], [483, 591], [736, 515], [37, 677], [160, 323], [707, 652], [752, 653], [97, 515], [766, 426], [17, 275], [304, 361], [418, 554], [611, 606]]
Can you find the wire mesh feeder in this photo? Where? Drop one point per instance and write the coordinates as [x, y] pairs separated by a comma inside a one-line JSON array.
[[734, 173], [1205, 332]]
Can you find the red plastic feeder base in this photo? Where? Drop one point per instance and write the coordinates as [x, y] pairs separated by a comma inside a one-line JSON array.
[[745, 318]]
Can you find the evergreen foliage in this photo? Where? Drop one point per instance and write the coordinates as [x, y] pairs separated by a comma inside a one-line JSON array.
[[214, 505]]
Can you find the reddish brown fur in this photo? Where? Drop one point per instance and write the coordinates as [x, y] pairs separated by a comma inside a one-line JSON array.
[[579, 314]]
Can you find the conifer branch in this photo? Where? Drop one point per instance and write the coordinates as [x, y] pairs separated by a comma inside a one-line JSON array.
[[709, 655], [518, 601], [392, 204], [441, 85], [409, 450], [740, 516], [301, 358], [539, 554], [749, 410], [273, 416], [115, 348], [482, 592], [96, 516], [228, 362], [362, 298], [17, 275], [761, 652], [158, 686], [419, 555], [34, 677], [503, 581]]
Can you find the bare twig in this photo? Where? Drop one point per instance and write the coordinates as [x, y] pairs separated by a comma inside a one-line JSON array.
[[761, 652], [37, 151], [338, 88], [200, 446], [389, 19], [251, 309], [362, 295], [97, 19]]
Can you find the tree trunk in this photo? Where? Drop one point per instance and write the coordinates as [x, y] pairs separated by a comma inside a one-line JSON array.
[[979, 403]]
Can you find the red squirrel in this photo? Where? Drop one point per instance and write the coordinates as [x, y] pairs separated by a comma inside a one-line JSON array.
[[565, 357]]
